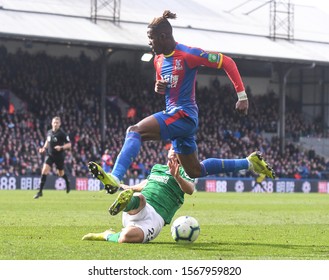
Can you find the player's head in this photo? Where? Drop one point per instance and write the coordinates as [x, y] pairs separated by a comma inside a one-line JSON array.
[[160, 35], [56, 123]]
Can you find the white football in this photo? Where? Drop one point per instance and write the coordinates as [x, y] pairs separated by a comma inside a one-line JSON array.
[[185, 229]]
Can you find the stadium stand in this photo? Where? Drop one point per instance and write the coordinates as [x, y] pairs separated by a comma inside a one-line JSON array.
[[50, 85]]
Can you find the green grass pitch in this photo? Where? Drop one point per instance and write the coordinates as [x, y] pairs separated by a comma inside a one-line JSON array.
[[234, 226]]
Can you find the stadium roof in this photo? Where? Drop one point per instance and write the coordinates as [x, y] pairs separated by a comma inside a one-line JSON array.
[[239, 28]]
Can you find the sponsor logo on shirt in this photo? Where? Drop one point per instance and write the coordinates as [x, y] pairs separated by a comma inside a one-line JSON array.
[[161, 179], [172, 80]]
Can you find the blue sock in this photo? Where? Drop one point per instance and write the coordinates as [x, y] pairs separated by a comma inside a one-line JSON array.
[[212, 166], [128, 153]]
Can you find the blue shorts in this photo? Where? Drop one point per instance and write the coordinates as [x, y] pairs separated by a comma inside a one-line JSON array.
[[180, 128]]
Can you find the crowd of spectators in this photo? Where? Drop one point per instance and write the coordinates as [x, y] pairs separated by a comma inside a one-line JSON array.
[[70, 88]]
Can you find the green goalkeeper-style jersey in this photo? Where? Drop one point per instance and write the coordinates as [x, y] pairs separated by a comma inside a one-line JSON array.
[[163, 193]]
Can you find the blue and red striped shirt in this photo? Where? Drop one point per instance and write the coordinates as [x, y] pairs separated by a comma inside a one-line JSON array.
[[179, 70]]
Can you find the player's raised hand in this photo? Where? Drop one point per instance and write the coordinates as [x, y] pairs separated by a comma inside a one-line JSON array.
[[174, 167], [160, 86], [242, 106]]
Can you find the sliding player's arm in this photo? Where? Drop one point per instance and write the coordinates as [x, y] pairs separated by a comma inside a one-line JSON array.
[[135, 188]]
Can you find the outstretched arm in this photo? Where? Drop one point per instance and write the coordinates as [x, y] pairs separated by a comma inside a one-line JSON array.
[[232, 72], [197, 57], [135, 188], [66, 146]]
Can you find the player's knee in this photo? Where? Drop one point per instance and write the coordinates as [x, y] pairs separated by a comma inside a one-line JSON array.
[[45, 169], [132, 128]]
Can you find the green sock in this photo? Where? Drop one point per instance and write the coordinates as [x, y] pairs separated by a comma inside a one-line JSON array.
[[133, 204], [114, 237]]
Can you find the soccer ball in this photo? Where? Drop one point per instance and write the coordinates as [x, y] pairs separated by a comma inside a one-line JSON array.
[[185, 229]]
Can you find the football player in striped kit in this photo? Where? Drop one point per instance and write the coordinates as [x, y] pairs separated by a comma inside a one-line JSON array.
[[176, 67]]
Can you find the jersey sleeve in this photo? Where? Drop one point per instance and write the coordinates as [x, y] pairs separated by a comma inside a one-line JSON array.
[[232, 72], [198, 57], [66, 137], [48, 138]]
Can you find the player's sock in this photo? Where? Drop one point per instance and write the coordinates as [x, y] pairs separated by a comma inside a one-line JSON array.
[[67, 182], [128, 153], [113, 237], [133, 204], [42, 182], [212, 166]]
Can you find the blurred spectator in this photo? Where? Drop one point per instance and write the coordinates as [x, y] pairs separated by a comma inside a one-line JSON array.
[[107, 162]]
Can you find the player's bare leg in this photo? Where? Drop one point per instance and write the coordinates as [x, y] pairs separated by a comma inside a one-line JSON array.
[[131, 234]]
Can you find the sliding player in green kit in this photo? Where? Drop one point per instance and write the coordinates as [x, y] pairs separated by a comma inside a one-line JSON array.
[[153, 205]]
